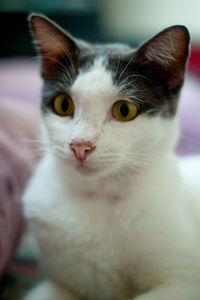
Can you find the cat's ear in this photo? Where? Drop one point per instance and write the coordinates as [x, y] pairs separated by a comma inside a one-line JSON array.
[[53, 43], [165, 55]]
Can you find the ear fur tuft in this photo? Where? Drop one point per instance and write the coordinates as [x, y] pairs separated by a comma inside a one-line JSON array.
[[53, 43], [168, 53]]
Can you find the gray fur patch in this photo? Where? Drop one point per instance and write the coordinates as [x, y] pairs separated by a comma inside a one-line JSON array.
[[121, 61], [150, 93]]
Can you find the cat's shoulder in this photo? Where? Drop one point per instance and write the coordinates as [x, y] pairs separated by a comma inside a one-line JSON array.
[[42, 186]]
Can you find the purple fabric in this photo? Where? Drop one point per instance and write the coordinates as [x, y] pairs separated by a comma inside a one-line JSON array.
[[10, 214], [19, 79], [20, 87], [189, 111]]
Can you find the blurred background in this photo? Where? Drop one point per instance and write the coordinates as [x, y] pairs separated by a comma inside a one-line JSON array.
[[130, 21]]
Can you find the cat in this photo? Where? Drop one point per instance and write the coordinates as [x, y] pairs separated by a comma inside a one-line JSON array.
[[109, 204]]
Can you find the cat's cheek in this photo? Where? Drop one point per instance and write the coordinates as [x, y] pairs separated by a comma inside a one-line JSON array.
[[56, 131]]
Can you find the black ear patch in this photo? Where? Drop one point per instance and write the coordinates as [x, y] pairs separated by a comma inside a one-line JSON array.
[[165, 56], [53, 44]]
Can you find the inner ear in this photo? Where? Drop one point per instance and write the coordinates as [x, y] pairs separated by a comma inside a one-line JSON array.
[[53, 43], [166, 55]]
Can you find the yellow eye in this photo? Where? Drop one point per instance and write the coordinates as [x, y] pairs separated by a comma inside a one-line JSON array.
[[124, 110], [63, 106]]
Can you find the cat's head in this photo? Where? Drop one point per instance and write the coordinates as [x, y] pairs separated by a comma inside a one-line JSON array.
[[106, 107]]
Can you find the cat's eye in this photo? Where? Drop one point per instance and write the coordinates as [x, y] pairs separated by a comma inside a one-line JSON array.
[[125, 110], [63, 106]]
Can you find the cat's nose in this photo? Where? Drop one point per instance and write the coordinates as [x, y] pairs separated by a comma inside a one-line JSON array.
[[82, 149]]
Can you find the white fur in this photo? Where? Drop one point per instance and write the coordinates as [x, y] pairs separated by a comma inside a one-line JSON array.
[[125, 225]]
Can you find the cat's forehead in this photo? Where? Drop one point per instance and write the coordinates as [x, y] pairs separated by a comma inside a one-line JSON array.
[[95, 82], [97, 71]]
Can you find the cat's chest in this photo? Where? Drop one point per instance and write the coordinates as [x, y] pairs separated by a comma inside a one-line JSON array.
[[84, 224], [88, 243]]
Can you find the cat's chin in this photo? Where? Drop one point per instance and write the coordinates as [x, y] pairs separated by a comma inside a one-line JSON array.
[[90, 171]]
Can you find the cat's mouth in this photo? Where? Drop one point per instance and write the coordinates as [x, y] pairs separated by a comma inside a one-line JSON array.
[[86, 170]]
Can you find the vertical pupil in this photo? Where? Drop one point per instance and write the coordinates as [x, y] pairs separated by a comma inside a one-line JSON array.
[[65, 104], [124, 109]]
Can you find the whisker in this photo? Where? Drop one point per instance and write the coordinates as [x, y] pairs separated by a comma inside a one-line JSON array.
[[136, 163], [66, 74], [118, 64], [143, 154], [124, 70], [121, 182], [68, 54], [135, 76]]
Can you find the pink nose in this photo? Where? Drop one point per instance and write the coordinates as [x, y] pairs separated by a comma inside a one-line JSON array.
[[82, 149]]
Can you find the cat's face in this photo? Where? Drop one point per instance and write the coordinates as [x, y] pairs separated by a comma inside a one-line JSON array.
[[109, 107]]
